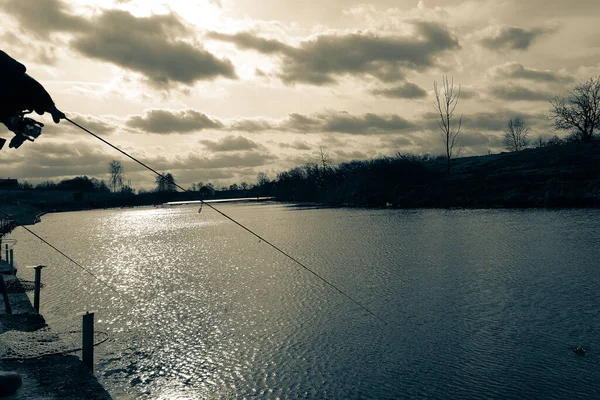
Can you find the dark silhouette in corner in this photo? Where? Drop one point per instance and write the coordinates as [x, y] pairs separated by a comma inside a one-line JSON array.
[[20, 94]]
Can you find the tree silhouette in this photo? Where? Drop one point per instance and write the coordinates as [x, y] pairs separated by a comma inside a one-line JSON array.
[[515, 134], [445, 106], [116, 175], [580, 111], [166, 183]]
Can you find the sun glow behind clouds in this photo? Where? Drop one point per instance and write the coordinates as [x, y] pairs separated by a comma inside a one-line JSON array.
[[204, 15]]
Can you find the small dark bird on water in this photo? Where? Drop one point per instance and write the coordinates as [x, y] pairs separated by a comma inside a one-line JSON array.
[[579, 350]]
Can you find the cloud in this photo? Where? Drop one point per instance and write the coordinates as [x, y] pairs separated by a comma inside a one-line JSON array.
[[515, 70], [396, 141], [251, 125], [515, 92], [328, 57], [235, 160], [247, 40], [166, 121], [406, 91], [41, 18], [325, 122], [477, 139], [296, 145], [343, 122], [511, 37], [151, 46], [485, 121], [342, 155], [230, 143], [170, 121], [55, 159], [21, 49]]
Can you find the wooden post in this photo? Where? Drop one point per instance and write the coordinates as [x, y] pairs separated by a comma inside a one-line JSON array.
[[11, 261], [87, 340], [37, 286], [7, 307], [6, 247]]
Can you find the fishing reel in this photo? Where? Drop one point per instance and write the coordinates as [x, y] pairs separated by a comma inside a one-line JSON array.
[[24, 128]]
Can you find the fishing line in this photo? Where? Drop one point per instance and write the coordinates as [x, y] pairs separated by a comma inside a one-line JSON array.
[[202, 202], [67, 257]]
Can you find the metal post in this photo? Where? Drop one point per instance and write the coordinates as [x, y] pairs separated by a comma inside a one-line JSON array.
[[87, 339], [7, 307], [6, 247], [11, 261], [36, 287]]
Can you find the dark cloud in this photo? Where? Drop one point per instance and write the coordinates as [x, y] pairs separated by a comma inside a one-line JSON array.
[[181, 121], [476, 139], [303, 123], [345, 123], [235, 160], [296, 145], [326, 58], [169, 121], [150, 45], [342, 155], [30, 50], [514, 92], [59, 160], [512, 38], [466, 94], [329, 122], [96, 125], [51, 160], [396, 141], [230, 143], [247, 40], [406, 91], [517, 71], [251, 125], [485, 121], [41, 18]]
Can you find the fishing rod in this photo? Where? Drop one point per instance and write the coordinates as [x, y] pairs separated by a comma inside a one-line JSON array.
[[340, 291]]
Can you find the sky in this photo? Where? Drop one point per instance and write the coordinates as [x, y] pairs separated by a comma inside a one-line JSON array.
[[220, 90]]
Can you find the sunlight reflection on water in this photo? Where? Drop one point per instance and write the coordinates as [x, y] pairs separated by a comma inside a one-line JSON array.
[[210, 312]]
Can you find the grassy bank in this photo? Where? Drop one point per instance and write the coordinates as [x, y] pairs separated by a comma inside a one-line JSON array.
[[566, 175], [559, 176]]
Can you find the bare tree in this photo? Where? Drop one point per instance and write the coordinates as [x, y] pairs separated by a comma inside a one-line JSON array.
[[445, 104], [540, 142], [580, 111], [262, 179], [515, 134], [323, 156], [166, 183], [116, 175]]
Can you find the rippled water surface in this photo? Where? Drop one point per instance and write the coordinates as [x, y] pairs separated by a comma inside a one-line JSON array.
[[479, 304]]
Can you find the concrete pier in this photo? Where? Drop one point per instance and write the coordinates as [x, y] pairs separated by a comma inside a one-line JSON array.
[[47, 377]]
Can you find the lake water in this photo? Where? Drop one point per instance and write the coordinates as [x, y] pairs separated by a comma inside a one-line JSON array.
[[478, 303]]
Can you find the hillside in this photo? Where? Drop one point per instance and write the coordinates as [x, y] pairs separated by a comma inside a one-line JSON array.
[[565, 175]]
